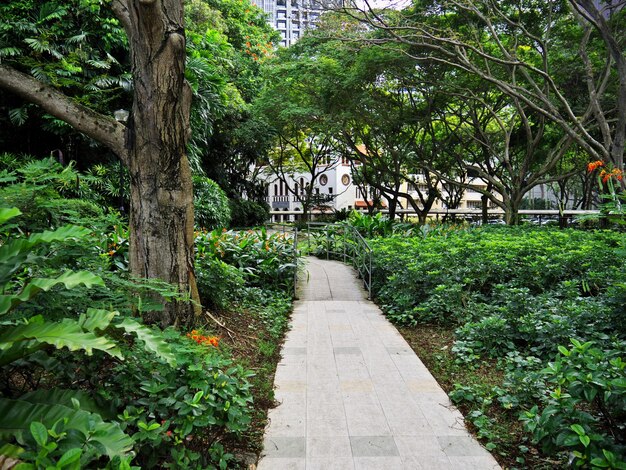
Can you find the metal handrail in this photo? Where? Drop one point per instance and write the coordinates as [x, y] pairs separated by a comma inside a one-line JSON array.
[[355, 248]]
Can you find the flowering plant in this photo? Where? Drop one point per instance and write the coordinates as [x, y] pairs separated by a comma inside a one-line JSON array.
[[608, 174], [199, 338]]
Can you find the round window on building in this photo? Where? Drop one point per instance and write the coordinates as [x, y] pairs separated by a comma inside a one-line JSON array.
[[345, 179], [323, 180]]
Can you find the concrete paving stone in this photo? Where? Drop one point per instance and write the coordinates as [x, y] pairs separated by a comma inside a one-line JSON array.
[[320, 397], [400, 351], [474, 463], [378, 463], [294, 360], [462, 446], [284, 447], [319, 410], [347, 350], [299, 341], [291, 385], [423, 386], [290, 372], [348, 380], [320, 375], [281, 464], [427, 462], [293, 351], [360, 399], [286, 423], [423, 445], [357, 385], [367, 424], [444, 421], [290, 398], [373, 446], [343, 463], [328, 447], [407, 424], [326, 426], [438, 398]]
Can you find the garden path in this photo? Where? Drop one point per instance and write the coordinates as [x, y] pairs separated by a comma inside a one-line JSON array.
[[353, 393]]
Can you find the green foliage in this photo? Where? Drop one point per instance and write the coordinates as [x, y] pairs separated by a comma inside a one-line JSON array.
[[66, 411], [61, 411], [245, 213], [175, 412], [219, 283], [22, 338], [210, 204], [515, 296], [370, 226], [265, 260], [585, 410], [49, 194]]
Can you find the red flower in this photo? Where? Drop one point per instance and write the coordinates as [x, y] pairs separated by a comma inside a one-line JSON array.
[[593, 165]]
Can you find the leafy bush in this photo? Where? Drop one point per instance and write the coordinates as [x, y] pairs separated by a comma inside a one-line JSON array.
[[50, 195], [81, 435], [265, 260], [158, 399], [219, 284], [245, 213], [584, 411], [513, 296], [210, 204]]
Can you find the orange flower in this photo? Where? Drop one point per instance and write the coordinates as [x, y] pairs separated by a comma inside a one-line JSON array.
[[593, 165], [202, 339]]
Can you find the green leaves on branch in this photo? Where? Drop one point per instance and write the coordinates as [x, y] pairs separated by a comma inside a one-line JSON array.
[[68, 279], [153, 343], [48, 407], [58, 428]]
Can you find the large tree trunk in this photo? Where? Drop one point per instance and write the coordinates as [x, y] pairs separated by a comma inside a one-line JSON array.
[[152, 147], [161, 214]]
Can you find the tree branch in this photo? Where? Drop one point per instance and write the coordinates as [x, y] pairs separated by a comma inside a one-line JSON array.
[[99, 127]]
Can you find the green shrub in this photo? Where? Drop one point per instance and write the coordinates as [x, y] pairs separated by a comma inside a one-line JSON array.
[[219, 284], [210, 204], [245, 213], [584, 411], [265, 260], [512, 296], [79, 432], [157, 399]]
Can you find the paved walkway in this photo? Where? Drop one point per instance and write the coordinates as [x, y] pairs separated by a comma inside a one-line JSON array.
[[354, 395]]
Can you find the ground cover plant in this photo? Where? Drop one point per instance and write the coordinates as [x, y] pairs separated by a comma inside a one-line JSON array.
[[523, 326], [84, 381]]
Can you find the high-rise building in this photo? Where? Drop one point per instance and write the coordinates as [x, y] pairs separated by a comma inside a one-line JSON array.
[[292, 17]]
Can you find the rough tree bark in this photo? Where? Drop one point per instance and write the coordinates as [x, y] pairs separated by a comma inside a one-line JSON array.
[[152, 146]]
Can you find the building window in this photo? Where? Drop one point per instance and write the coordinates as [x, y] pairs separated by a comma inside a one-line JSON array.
[[330, 190], [474, 204], [345, 179], [323, 180]]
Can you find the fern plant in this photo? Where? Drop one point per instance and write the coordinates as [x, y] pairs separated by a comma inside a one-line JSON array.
[[68, 416]]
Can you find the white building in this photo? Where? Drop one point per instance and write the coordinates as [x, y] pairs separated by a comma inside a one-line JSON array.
[[334, 185]]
